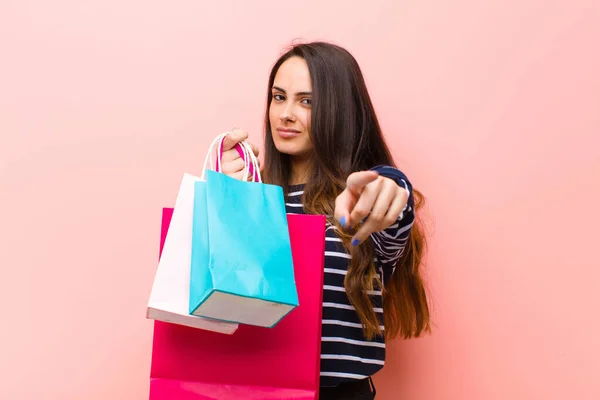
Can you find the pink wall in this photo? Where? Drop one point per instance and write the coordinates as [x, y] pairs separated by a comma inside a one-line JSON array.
[[492, 107]]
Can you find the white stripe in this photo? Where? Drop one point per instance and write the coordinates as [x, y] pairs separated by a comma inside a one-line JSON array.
[[384, 237], [388, 248], [400, 231], [337, 254], [343, 375], [351, 358], [388, 252], [348, 307], [351, 341], [296, 193], [341, 289], [391, 249], [346, 324], [332, 239], [293, 205], [406, 186], [335, 271]]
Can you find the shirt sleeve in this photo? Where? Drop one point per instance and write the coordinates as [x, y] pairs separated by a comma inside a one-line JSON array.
[[390, 243]]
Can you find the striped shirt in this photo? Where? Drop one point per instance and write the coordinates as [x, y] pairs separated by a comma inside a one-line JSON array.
[[345, 353]]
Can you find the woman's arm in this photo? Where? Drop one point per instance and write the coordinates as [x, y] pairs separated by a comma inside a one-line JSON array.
[[389, 243]]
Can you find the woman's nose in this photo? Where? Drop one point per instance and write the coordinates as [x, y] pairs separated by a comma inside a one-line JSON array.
[[287, 113]]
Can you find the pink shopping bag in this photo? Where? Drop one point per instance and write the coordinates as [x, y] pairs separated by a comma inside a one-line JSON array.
[[254, 362]]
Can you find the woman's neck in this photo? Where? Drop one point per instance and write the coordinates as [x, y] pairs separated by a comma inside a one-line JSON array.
[[300, 170]]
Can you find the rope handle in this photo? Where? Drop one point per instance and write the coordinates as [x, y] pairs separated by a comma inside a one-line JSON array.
[[251, 165]]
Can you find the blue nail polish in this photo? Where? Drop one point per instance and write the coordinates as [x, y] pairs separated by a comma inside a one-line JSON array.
[[343, 221], [355, 242]]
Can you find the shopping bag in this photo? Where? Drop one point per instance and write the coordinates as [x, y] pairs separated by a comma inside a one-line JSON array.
[[169, 297], [241, 265], [254, 363]]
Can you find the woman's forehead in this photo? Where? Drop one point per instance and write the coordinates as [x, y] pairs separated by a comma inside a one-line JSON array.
[[293, 76]]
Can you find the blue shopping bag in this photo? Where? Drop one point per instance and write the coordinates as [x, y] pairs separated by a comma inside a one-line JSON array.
[[241, 266]]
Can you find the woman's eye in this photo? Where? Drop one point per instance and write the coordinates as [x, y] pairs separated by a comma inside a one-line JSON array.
[[278, 97], [307, 101]]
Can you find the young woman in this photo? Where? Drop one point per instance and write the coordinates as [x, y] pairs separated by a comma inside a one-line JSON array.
[[324, 146]]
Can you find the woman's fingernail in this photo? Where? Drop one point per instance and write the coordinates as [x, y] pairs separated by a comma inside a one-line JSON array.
[[343, 221], [355, 242]]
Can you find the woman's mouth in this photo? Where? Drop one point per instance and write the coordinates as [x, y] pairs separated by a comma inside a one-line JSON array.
[[287, 133]]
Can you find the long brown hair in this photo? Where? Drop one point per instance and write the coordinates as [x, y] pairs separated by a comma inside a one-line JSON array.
[[347, 138]]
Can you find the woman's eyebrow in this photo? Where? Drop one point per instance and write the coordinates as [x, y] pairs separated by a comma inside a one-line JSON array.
[[297, 94]]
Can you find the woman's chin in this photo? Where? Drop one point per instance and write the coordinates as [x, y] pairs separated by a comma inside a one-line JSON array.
[[293, 149]]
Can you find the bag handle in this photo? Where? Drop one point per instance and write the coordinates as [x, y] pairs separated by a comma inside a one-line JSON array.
[[251, 165], [250, 161]]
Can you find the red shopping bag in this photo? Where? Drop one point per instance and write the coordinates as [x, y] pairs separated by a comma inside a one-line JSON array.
[[254, 363]]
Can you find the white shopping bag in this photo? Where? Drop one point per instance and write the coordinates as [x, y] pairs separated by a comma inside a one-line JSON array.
[[169, 299]]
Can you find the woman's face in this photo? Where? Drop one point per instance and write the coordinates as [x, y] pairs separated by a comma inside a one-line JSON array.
[[289, 111]]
